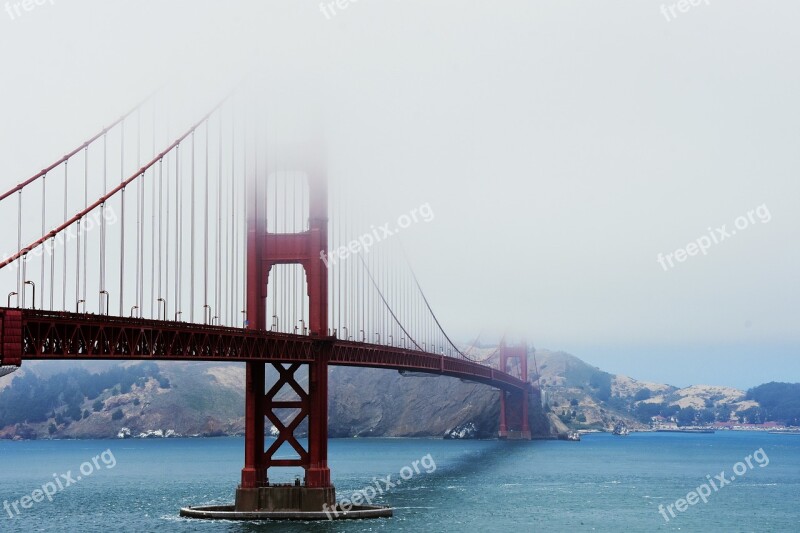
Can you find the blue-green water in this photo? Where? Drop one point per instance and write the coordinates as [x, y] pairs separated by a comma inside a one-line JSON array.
[[603, 483]]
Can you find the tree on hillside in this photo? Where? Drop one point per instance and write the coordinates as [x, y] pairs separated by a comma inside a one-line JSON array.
[[687, 416], [643, 394], [780, 402], [754, 415], [645, 411], [724, 413], [601, 382], [706, 416]]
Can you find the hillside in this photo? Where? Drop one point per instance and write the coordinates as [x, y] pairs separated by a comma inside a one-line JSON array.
[[204, 399], [585, 397], [102, 399]]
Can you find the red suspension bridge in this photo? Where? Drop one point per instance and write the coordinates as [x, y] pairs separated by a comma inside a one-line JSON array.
[[216, 248]]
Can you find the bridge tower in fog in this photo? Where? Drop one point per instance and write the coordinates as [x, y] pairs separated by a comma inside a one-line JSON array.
[[266, 250], [514, 422]]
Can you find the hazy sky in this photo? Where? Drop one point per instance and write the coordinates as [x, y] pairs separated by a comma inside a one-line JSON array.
[[562, 146]]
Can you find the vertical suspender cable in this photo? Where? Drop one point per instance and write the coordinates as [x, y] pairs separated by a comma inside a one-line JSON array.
[[192, 257], [141, 222], [244, 214], [139, 185], [274, 277], [84, 293], [235, 223], [44, 230], [178, 233], [78, 243], [153, 244], [304, 197], [225, 246], [19, 244], [103, 226], [153, 225], [52, 270], [64, 279], [344, 265], [160, 228], [228, 278], [217, 306], [166, 240], [137, 295], [285, 305], [205, 238], [160, 235], [122, 221], [342, 236], [293, 314]]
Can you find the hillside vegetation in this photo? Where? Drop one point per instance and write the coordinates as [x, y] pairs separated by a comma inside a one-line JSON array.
[[101, 399]]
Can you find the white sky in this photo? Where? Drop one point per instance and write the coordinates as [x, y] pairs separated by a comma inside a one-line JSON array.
[[562, 145]]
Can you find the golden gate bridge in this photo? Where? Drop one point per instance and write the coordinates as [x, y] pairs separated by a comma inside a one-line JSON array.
[[215, 246]]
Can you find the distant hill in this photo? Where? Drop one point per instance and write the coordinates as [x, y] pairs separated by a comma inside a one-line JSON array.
[[207, 399], [585, 397], [101, 399]]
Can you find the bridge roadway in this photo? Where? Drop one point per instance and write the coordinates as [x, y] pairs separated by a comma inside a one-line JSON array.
[[27, 334]]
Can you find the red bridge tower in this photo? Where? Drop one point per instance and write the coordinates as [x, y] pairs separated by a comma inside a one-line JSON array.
[[264, 251], [514, 422]]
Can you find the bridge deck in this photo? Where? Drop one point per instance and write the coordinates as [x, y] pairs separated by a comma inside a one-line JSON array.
[[27, 334]]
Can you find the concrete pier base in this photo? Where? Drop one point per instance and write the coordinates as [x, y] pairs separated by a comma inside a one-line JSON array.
[[229, 512], [285, 498], [286, 502], [516, 435]]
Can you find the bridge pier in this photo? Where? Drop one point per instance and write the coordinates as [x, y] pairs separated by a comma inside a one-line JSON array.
[[514, 423], [256, 493]]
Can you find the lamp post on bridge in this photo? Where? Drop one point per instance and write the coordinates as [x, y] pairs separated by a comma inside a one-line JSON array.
[[108, 299], [33, 285]]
